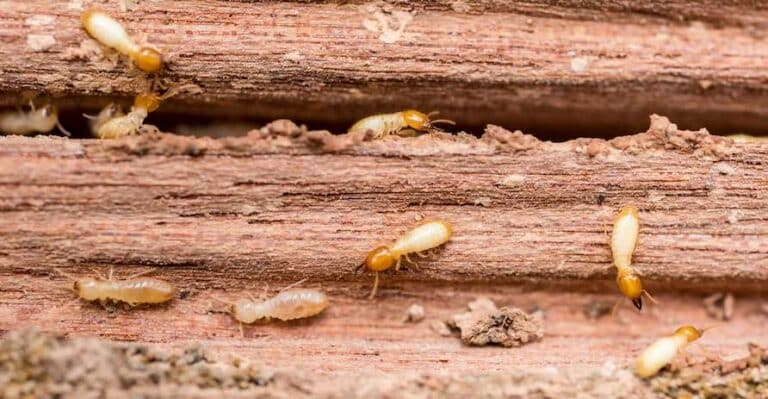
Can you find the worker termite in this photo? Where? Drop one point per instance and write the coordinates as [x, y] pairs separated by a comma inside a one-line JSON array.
[[626, 229], [111, 33], [41, 120], [108, 113], [664, 349], [134, 290], [385, 124], [748, 139], [421, 238], [289, 304]]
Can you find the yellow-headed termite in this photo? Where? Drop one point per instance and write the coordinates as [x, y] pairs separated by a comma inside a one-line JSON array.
[[134, 290], [664, 349], [41, 120], [384, 124], [111, 33], [748, 139], [626, 229], [421, 238]]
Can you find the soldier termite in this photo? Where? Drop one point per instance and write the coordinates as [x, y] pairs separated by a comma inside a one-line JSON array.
[[385, 124], [664, 349], [626, 229], [421, 238], [134, 290], [41, 120], [111, 33]]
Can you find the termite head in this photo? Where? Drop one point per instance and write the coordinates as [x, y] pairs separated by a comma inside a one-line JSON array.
[[420, 121], [691, 333], [148, 59], [380, 259], [148, 101], [632, 288], [84, 286]]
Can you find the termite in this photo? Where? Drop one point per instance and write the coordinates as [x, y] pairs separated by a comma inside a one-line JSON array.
[[661, 352], [288, 304], [748, 139], [421, 238], [41, 120], [108, 113], [120, 125], [626, 229], [111, 33], [385, 124], [134, 290]]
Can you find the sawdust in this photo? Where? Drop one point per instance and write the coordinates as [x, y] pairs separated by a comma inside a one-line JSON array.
[[388, 22], [284, 136], [665, 135], [485, 324], [716, 378], [40, 43]]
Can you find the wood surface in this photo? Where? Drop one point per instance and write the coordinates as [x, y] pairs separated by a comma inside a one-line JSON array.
[[563, 68], [230, 216]]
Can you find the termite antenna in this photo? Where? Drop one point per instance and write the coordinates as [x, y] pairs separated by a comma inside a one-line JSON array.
[[144, 273], [67, 275], [62, 129], [648, 294], [221, 300], [294, 284], [447, 121], [89, 117], [433, 113], [191, 88]]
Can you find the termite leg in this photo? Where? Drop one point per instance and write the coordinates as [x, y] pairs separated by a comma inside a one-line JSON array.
[[61, 128], [67, 275], [407, 133], [294, 284], [97, 272], [375, 285], [242, 330], [421, 255]]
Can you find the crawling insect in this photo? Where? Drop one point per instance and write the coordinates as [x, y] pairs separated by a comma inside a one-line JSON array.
[[748, 139], [109, 32], [289, 304], [385, 124], [41, 120], [626, 229], [423, 237], [664, 349], [126, 125], [108, 113], [134, 290]]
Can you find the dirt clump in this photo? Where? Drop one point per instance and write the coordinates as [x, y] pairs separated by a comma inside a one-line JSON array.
[[485, 324], [33, 364], [716, 378], [414, 314], [505, 140]]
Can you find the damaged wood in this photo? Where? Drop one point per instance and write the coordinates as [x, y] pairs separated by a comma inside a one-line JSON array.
[[531, 65]]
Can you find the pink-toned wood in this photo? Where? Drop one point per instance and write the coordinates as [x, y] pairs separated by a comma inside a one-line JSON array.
[[575, 67]]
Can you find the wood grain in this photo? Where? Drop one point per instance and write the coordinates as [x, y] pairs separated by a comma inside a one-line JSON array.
[[229, 216], [564, 68]]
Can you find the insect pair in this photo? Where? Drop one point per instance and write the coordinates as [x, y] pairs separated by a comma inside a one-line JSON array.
[[399, 122]]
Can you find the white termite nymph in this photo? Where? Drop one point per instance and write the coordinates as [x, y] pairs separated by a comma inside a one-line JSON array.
[[40, 120], [421, 238], [663, 350]]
